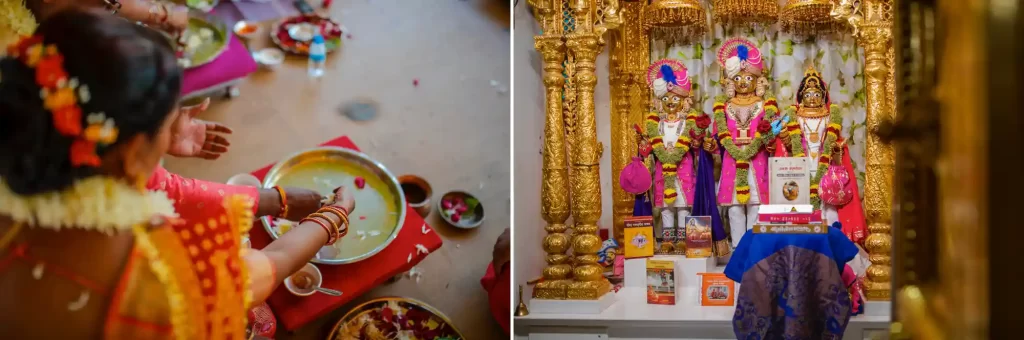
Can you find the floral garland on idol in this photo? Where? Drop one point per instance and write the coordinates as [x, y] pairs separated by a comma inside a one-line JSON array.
[[743, 155], [796, 146], [671, 157]]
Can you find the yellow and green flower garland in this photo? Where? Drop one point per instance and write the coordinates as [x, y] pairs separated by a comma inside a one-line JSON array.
[[670, 157], [796, 146], [742, 156]]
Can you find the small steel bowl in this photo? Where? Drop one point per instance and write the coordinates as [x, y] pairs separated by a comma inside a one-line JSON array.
[[269, 57], [246, 30], [318, 279], [465, 222]]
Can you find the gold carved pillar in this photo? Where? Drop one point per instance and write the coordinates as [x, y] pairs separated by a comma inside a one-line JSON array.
[[555, 171], [872, 24], [585, 44], [629, 57]]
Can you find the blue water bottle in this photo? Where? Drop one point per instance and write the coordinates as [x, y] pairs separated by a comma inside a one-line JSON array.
[[317, 56]]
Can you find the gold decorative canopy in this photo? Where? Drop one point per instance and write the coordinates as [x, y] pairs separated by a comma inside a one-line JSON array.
[[675, 20], [808, 17], [745, 12]]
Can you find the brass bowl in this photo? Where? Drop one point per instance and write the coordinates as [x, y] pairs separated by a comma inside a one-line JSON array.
[[369, 304], [341, 155]]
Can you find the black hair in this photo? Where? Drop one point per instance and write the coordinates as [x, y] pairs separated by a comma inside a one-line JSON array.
[[132, 77], [803, 85]]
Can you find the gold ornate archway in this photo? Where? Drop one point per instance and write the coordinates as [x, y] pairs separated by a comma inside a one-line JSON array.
[[573, 36]]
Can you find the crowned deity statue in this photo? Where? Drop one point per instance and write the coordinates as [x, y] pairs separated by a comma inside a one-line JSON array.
[[814, 129], [743, 127], [671, 131]]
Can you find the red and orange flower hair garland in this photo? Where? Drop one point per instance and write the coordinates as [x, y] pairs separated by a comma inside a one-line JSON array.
[[61, 95]]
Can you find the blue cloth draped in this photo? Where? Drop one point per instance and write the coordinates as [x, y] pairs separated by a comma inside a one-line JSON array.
[[705, 200], [791, 285], [642, 205]]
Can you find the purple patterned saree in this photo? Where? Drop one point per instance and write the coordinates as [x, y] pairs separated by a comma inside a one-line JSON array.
[[791, 286]]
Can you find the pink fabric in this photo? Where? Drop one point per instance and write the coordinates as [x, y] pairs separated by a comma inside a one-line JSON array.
[[195, 199], [759, 165], [235, 63], [635, 178], [850, 279], [833, 188], [852, 215], [683, 80], [619, 268], [686, 177], [754, 59]]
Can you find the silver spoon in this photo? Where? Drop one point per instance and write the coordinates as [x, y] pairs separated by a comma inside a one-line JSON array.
[[327, 291]]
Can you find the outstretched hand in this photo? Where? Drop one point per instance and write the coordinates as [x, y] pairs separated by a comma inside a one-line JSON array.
[[191, 137], [779, 124]]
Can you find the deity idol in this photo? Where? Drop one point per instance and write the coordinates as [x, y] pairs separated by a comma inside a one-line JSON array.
[[671, 136], [814, 130], [743, 128]]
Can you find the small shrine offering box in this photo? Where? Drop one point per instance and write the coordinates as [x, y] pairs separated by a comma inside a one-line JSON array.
[[639, 236], [661, 282], [717, 290], [790, 180]]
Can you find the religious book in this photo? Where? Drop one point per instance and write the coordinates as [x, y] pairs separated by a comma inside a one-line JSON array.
[[716, 290], [661, 282], [790, 180], [698, 236], [639, 236]]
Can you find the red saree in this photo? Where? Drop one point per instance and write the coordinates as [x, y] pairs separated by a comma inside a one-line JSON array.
[[197, 199], [499, 287]]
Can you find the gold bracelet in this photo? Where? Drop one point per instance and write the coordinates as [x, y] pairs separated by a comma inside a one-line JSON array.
[[334, 225], [340, 212]]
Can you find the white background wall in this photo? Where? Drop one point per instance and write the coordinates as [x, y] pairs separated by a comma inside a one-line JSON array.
[[528, 142]]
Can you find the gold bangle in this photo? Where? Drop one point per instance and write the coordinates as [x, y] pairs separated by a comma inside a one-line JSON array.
[[342, 215], [329, 220]]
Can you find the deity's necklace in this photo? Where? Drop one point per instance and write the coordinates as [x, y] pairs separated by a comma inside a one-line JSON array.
[[807, 112], [813, 136], [743, 124]]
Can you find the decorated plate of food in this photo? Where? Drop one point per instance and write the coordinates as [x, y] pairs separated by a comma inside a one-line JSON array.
[[296, 33], [394, 318], [204, 40], [380, 203]]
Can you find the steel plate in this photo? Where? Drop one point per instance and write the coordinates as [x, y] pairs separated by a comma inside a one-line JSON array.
[[351, 157]]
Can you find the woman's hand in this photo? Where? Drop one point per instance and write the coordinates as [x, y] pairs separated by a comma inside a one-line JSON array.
[[191, 137], [344, 199], [177, 19], [502, 250]]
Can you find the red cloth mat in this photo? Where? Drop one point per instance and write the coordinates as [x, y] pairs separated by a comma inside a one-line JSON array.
[[353, 279]]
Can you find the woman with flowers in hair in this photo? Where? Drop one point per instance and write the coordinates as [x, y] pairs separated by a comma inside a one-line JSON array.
[[742, 127], [668, 132], [190, 137], [87, 106]]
